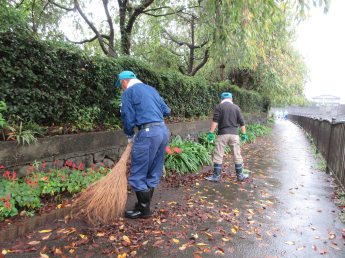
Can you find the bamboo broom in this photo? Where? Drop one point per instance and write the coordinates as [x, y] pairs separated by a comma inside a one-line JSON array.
[[105, 200]]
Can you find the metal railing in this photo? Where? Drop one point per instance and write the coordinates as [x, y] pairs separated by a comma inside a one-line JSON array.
[[329, 138], [325, 112]]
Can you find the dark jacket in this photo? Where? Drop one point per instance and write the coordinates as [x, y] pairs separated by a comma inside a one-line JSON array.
[[228, 116]]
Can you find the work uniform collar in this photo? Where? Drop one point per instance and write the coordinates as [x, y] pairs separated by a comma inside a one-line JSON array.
[[132, 82], [226, 100]]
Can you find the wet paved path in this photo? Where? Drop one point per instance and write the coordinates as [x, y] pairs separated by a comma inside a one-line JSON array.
[[286, 210]]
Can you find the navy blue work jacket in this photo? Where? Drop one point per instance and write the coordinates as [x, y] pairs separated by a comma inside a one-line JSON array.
[[141, 104]]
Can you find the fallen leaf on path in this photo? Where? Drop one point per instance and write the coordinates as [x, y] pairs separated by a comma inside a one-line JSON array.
[[331, 235], [158, 243], [126, 238], [335, 247], [323, 251], [45, 231], [176, 241], [34, 243], [45, 237], [57, 251], [183, 247]]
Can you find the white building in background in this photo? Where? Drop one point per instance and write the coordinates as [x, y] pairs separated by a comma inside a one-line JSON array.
[[326, 100]]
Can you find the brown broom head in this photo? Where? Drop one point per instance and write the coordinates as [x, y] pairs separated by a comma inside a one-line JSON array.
[[105, 200]]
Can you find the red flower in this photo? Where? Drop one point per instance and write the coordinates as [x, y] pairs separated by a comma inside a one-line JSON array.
[[45, 178], [6, 199], [8, 205], [168, 150], [2, 167], [7, 174], [177, 150], [81, 166]]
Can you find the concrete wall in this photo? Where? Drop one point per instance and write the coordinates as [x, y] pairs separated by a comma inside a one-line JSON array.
[[89, 148]]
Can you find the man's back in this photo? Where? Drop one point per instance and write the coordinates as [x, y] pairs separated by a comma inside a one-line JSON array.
[[228, 116]]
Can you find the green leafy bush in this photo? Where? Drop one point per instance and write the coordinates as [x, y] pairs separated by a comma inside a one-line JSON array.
[[256, 130], [53, 83], [3, 108], [25, 194], [184, 156]]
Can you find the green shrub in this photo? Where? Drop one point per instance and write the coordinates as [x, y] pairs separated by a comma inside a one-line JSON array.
[[184, 156], [255, 130], [54, 82], [3, 108]]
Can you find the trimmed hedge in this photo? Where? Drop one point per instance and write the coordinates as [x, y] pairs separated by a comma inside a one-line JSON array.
[[46, 82]]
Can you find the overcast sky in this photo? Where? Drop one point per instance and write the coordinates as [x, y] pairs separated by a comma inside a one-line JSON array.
[[321, 40]]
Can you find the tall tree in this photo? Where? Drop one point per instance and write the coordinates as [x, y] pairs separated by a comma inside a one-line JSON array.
[[192, 63], [129, 13]]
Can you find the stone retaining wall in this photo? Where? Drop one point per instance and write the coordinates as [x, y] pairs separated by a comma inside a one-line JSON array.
[[98, 148]]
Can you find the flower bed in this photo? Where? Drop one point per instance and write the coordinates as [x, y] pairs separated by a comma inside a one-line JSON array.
[[27, 194]]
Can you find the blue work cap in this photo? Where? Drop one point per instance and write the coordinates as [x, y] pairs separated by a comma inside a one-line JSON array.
[[124, 75], [226, 95]]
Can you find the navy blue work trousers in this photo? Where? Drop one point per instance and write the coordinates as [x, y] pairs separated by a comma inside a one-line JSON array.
[[147, 158]]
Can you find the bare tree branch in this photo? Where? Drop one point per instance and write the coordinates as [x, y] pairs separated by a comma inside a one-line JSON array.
[[18, 4], [43, 9], [111, 27], [200, 65], [202, 45], [85, 40], [173, 39], [137, 11], [93, 28], [61, 6]]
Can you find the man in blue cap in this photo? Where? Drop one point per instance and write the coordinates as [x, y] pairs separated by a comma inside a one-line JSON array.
[[227, 116], [144, 108]]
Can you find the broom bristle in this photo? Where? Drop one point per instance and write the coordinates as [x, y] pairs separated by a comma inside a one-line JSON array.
[[105, 200]]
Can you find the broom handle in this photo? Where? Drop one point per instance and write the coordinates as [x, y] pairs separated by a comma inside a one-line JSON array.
[[125, 154]]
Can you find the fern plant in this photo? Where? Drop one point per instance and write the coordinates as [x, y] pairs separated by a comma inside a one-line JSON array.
[[21, 135]]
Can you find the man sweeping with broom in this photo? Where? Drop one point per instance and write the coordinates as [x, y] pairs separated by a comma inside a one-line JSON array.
[[144, 108]]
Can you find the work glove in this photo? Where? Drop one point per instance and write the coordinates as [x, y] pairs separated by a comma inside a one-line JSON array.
[[130, 138], [210, 137], [244, 137]]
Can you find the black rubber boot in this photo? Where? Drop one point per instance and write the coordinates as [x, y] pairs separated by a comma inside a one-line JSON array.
[[152, 189], [143, 209], [217, 170], [239, 172]]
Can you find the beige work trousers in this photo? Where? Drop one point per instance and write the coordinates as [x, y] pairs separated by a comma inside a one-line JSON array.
[[227, 139]]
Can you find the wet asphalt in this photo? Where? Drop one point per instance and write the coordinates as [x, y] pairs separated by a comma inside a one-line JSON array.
[[286, 209]]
